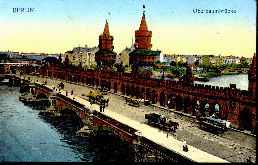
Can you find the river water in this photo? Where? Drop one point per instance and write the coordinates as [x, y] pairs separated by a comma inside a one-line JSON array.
[[241, 81], [26, 136]]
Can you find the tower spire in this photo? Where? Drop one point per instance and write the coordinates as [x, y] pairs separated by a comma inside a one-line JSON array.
[[143, 25], [106, 30]]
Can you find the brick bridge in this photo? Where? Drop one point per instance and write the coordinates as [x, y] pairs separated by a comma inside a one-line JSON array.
[[143, 146], [229, 103]]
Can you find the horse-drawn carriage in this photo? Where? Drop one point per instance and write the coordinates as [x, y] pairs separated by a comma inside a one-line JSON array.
[[61, 85], [161, 121], [98, 98], [212, 124], [132, 101]]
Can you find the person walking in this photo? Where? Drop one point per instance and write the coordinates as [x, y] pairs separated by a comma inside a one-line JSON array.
[[100, 108], [185, 147], [168, 104]]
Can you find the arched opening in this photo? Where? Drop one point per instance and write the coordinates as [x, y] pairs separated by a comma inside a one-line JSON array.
[[198, 107], [162, 99], [115, 87], [148, 94], [207, 109], [128, 90], [132, 90], [123, 89], [44, 100], [178, 102], [137, 92], [186, 103], [171, 101], [108, 85], [142, 93], [97, 82], [154, 97], [245, 118], [107, 151]]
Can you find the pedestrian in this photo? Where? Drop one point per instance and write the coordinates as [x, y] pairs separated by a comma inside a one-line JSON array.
[[66, 93], [185, 147], [100, 108], [103, 107], [107, 101], [72, 92], [168, 103]]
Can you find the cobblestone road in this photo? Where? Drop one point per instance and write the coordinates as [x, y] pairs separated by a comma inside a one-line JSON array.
[[231, 146]]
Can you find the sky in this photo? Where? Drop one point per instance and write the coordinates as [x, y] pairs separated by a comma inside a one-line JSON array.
[[56, 26]]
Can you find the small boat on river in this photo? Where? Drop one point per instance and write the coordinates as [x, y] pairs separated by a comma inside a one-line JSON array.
[[199, 78]]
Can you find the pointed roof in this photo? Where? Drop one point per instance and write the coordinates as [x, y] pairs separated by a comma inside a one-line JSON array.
[[106, 29], [143, 25], [254, 61]]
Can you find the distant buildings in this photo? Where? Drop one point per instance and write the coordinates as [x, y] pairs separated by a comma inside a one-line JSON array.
[[207, 60], [123, 57], [82, 56]]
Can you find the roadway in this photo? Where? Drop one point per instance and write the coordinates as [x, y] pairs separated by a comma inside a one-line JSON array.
[[231, 146]]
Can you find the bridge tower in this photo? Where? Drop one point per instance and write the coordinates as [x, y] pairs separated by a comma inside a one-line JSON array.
[[187, 78], [252, 77], [143, 56], [105, 56]]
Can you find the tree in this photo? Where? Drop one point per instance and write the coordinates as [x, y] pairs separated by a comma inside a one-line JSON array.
[[172, 63], [197, 63]]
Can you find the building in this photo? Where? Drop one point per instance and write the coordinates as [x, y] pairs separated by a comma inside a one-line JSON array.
[[169, 58], [143, 55], [105, 56], [82, 56], [123, 57]]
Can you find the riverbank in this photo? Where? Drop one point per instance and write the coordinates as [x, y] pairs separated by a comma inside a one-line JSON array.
[[213, 74]]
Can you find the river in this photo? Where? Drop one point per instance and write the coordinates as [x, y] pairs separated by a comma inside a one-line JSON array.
[[26, 136], [241, 81]]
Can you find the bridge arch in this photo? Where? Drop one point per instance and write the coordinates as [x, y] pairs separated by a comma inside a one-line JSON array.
[[45, 101]]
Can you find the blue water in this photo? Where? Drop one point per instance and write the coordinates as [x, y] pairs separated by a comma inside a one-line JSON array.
[[25, 136], [241, 81]]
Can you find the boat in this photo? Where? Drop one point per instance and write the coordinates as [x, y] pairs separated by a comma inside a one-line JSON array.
[[4, 82], [203, 79]]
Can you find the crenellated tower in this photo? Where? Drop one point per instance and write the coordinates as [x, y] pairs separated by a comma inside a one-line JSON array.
[[105, 56], [143, 56], [252, 77], [143, 36]]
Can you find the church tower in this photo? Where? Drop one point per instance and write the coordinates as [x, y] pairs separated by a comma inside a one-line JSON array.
[[252, 77], [105, 56], [143, 56]]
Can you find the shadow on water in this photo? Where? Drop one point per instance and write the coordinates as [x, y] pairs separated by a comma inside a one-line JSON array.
[[102, 148]]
